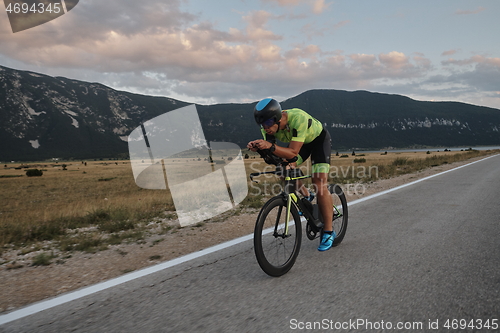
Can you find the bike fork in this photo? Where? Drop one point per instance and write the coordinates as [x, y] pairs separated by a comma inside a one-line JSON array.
[[285, 234]]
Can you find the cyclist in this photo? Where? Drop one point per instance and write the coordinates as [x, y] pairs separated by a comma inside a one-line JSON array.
[[306, 137]]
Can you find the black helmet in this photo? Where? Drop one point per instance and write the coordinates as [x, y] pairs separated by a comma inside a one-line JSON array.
[[267, 109]]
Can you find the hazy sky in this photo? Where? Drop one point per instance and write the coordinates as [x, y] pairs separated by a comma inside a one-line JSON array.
[[244, 50]]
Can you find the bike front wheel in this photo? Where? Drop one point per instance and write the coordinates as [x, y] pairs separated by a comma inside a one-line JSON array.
[[276, 242]]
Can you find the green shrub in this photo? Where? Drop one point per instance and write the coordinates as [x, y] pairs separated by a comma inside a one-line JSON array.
[[87, 243], [359, 160], [34, 173], [43, 259], [155, 257], [97, 216], [106, 179], [116, 226], [13, 233], [253, 201]]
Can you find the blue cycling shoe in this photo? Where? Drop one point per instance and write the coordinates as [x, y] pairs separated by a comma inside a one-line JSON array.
[[326, 241]]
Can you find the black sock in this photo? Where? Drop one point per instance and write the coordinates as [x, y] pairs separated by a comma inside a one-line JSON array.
[[328, 232]]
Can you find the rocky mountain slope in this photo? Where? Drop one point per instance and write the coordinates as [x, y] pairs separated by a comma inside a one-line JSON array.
[[44, 117]]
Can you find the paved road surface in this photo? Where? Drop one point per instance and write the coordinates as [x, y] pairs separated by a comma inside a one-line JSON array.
[[427, 252]]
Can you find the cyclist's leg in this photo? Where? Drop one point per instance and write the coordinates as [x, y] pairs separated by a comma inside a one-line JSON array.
[[320, 154], [302, 189], [325, 203], [300, 186], [303, 155]]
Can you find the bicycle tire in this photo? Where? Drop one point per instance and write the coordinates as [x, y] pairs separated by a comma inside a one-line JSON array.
[[276, 253], [339, 220]]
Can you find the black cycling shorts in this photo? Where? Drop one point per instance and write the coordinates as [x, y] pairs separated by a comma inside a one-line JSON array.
[[320, 150]]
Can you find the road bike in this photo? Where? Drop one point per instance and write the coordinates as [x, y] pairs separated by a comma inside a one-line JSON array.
[[278, 229]]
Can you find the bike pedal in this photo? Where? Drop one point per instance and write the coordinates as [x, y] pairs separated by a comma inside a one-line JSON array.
[[311, 234], [316, 225]]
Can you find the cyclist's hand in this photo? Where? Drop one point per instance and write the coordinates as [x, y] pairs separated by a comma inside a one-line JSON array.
[[259, 144], [251, 146]]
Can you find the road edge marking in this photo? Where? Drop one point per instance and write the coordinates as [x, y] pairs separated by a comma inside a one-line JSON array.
[[378, 194]]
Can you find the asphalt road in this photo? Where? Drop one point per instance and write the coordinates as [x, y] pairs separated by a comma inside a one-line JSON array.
[[418, 256]]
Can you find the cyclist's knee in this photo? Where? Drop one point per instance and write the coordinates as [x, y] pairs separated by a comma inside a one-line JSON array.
[[320, 182], [320, 178]]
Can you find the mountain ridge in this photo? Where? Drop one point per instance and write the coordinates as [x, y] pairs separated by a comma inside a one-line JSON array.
[[42, 117]]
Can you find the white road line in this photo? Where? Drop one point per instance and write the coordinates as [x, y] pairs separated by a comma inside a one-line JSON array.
[[413, 182], [74, 295]]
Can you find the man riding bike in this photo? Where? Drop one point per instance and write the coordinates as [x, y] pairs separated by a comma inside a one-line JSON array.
[[306, 137]]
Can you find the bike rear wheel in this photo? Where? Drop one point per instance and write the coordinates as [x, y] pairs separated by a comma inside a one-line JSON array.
[[277, 249], [340, 213]]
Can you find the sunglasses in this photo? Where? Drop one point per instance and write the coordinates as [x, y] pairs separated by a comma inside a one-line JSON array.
[[268, 123]]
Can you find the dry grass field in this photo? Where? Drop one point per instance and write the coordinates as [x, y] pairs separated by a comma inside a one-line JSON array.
[[101, 194], [88, 205]]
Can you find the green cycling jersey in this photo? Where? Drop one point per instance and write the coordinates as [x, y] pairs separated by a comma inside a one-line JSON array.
[[301, 127]]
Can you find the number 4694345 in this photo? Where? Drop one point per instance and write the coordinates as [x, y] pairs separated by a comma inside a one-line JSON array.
[[479, 324], [40, 8]]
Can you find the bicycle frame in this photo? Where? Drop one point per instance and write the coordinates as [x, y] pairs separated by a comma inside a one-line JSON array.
[[290, 196], [300, 206]]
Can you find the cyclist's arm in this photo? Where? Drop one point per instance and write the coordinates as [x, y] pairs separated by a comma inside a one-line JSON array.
[[285, 152], [289, 152], [262, 144]]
